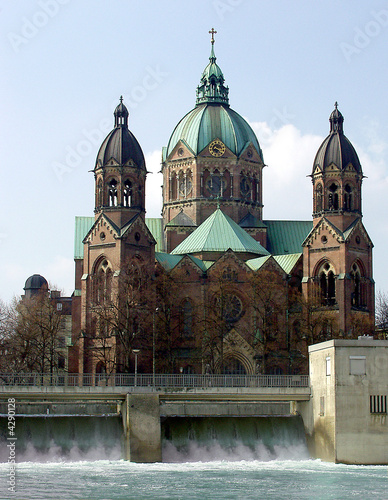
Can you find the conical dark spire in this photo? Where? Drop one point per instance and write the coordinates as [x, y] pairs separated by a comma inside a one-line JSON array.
[[212, 89]]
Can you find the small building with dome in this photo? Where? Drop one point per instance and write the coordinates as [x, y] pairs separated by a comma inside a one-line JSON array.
[[212, 286]]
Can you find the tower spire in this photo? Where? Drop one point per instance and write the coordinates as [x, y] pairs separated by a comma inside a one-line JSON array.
[[212, 32], [211, 88]]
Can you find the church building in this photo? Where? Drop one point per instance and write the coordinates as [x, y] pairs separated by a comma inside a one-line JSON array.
[[212, 286]]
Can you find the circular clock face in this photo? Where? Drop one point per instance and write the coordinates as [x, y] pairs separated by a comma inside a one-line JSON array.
[[180, 152], [249, 153], [217, 148]]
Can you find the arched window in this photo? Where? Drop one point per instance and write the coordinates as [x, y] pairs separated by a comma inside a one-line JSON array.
[[99, 200], [318, 198], [127, 193], [326, 278], [112, 193], [333, 197], [173, 187], [358, 295], [233, 366], [348, 198], [102, 283]]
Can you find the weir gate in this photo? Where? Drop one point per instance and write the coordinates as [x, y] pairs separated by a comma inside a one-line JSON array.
[[144, 401]]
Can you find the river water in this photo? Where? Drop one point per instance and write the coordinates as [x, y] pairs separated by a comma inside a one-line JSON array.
[[204, 459], [220, 476]]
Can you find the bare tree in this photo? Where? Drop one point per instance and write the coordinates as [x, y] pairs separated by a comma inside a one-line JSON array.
[[120, 318], [31, 339], [382, 315], [222, 311], [269, 302]]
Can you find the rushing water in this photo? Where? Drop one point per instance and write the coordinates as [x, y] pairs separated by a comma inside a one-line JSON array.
[[243, 480], [205, 459]]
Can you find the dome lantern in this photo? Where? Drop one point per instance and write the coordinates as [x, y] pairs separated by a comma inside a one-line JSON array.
[[211, 88]]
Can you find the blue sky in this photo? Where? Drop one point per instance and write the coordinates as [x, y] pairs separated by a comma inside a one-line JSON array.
[[65, 63]]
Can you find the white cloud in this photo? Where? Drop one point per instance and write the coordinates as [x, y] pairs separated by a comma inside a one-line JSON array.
[[287, 191], [153, 185]]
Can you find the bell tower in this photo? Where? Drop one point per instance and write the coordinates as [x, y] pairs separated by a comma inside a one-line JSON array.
[[337, 177], [120, 173], [337, 255]]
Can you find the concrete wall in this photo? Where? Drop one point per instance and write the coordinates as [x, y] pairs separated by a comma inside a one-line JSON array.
[[341, 426], [142, 433]]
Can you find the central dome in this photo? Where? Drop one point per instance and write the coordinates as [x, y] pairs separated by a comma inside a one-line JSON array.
[[213, 121], [212, 118]]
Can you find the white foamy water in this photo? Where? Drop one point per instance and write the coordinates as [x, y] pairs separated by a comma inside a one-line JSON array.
[[224, 480]]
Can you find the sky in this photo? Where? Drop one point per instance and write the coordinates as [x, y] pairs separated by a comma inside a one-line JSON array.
[[65, 64]]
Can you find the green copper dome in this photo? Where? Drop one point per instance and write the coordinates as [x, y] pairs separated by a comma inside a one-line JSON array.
[[212, 118]]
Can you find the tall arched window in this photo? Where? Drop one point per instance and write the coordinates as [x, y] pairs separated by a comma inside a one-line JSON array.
[[173, 187], [333, 197], [99, 200], [112, 193], [127, 193], [102, 283], [326, 278], [348, 198], [358, 295], [318, 198]]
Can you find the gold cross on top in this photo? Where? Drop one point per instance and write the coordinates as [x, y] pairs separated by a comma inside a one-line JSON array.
[[212, 32]]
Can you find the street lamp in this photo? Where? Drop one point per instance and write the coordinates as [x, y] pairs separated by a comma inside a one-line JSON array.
[[135, 352], [153, 347]]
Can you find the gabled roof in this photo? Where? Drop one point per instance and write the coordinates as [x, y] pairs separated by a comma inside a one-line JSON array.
[[257, 263], [250, 221], [342, 236], [219, 233], [169, 262], [288, 262], [181, 220], [286, 236]]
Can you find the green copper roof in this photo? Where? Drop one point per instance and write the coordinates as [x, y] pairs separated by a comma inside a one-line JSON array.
[[82, 226], [212, 118], [181, 220], [286, 236], [169, 261], [256, 264], [156, 228], [208, 122], [287, 262], [212, 89], [219, 233]]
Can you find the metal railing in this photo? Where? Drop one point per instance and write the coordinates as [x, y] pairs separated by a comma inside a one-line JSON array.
[[150, 380]]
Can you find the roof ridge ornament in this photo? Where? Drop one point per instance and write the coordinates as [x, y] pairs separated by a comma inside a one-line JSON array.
[[212, 32]]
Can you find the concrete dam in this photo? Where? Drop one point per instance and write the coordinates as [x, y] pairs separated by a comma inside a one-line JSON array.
[[339, 410]]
